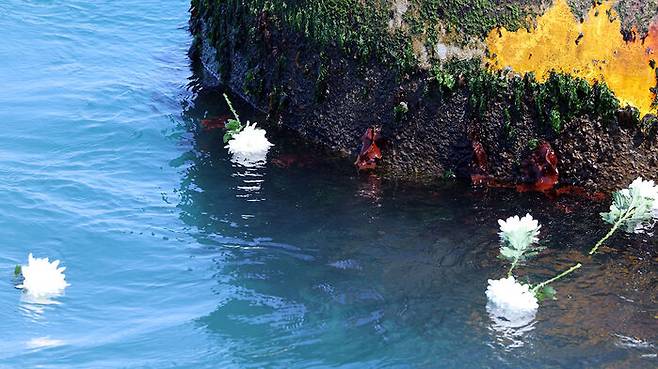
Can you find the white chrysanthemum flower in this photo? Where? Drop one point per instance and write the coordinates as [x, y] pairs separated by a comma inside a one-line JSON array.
[[42, 278], [635, 207], [519, 232], [250, 146], [511, 298], [646, 189]]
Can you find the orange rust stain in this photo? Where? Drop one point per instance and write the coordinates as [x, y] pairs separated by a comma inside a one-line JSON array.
[[594, 50]]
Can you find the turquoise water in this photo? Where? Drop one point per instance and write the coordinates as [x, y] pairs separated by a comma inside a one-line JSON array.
[[178, 258]]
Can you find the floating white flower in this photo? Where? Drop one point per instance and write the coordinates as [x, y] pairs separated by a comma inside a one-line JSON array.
[[633, 208], [645, 189], [511, 298], [42, 278], [519, 231], [517, 235], [250, 146]]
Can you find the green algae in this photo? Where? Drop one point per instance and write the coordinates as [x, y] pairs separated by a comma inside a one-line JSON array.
[[361, 29], [254, 83], [400, 110], [553, 103], [636, 16], [445, 79], [322, 80], [475, 17]]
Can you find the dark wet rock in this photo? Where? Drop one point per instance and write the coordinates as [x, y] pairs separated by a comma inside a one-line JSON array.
[[330, 94]]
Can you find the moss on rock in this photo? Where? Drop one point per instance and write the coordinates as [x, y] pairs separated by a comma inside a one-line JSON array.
[[331, 69], [381, 28]]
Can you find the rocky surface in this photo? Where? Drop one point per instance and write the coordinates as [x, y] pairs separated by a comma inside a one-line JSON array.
[[434, 109]]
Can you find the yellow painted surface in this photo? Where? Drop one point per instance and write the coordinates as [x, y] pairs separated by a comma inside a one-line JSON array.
[[601, 54]]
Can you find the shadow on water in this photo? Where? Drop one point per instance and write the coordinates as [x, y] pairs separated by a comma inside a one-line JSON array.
[[317, 266]]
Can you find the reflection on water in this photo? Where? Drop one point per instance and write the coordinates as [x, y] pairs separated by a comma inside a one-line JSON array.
[[43, 342], [510, 332], [370, 187], [252, 178], [35, 307]]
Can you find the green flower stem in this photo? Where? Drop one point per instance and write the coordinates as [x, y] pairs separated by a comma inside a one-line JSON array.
[[514, 263], [230, 106], [561, 275], [615, 227]]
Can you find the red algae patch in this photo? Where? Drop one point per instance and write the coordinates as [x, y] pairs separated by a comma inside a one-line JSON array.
[[540, 170], [214, 123], [370, 152]]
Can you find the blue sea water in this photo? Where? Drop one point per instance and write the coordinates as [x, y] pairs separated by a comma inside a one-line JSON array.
[[178, 258]]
